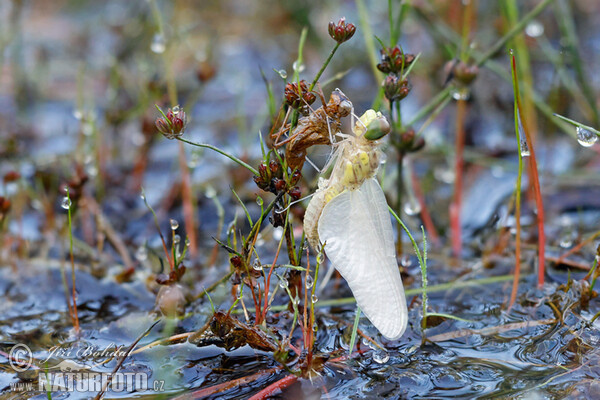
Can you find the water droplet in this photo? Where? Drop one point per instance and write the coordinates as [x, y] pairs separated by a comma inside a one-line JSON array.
[[87, 129], [585, 137], [141, 253], [314, 298], [524, 147], [187, 242], [176, 239], [176, 110], [567, 240], [412, 207], [296, 300], [174, 224], [282, 73], [315, 328], [460, 93], [277, 233], [210, 192], [283, 283], [597, 259], [309, 282], [405, 260], [381, 356], [257, 266], [259, 201], [66, 203], [320, 258], [78, 114], [159, 44], [143, 197], [297, 67], [534, 29]]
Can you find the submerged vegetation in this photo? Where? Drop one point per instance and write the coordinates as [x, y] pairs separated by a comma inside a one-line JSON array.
[[303, 169]]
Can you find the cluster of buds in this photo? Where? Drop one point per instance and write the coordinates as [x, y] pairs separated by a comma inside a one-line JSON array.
[[172, 124], [297, 95], [341, 32], [394, 60], [271, 180], [394, 88], [409, 142]]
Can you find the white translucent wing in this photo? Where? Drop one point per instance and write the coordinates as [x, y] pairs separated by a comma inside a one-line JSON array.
[[357, 230]]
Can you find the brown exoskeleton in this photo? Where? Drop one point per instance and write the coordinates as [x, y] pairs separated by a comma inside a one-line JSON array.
[[318, 127]]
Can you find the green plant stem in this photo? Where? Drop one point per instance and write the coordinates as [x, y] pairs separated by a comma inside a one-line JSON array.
[[354, 331], [231, 157], [325, 64], [299, 60]]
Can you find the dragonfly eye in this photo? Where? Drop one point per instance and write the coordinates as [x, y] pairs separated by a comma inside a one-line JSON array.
[[345, 108], [377, 128]]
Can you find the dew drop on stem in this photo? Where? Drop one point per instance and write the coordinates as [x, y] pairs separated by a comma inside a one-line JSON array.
[[309, 282], [314, 298], [176, 239], [585, 137], [159, 44], [174, 224], [283, 283], [523, 146], [257, 266], [282, 73], [66, 203]]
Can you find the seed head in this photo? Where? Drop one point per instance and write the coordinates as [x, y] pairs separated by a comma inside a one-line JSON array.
[[394, 60], [394, 88], [341, 32], [173, 126]]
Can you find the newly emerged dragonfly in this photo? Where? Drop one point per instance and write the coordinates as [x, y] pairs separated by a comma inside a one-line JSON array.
[[349, 215]]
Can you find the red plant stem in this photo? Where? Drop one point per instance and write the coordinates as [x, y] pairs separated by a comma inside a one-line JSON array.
[[540, 213], [275, 387], [461, 110], [425, 216], [188, 203]]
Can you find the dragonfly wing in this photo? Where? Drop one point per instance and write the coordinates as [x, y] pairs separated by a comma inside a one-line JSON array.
[[357, 230]]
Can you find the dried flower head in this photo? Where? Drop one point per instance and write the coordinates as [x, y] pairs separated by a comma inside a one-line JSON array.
[[172, 124], [341, 32], [394, 60], [394, 88]]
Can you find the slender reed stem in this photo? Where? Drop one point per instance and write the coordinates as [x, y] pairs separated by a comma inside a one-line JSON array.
[[325, 64]]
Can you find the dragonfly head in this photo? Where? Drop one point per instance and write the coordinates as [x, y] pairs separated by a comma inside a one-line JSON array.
[[341, 102]]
